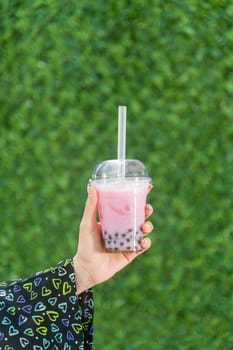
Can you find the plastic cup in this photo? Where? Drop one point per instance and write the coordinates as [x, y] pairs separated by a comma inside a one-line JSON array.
[[121, 202]]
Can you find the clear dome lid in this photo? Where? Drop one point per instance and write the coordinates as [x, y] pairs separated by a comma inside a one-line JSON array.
[[117, 168]]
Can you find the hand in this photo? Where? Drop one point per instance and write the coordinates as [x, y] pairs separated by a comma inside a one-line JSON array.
[[93, 264]]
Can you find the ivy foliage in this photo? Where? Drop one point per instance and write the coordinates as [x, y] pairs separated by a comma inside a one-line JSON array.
[[65, 66]]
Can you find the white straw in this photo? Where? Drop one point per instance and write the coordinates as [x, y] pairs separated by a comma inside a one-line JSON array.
[[121, 146], [121, 132]]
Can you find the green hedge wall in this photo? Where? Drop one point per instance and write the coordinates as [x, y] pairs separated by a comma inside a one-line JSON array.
[[65, 66]]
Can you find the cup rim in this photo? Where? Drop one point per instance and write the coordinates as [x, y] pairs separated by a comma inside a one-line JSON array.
[[122, 179]]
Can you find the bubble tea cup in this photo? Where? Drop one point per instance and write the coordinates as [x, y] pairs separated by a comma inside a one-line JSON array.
[[121, 202]]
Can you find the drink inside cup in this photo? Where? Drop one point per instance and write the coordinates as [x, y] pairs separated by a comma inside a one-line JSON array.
[[121, 203]]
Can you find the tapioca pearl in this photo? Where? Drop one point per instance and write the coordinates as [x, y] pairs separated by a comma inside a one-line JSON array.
[[121, 244], [130, 230], [105, 233], [109, 236], [116, 234], [128, 239], [123, 234]]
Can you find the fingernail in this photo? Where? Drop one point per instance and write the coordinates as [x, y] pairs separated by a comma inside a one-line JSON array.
[[149, 208], [88, 185], [147, 227], [145, 241]]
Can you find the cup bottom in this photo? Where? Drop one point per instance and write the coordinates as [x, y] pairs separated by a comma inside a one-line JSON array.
[[123, 241]]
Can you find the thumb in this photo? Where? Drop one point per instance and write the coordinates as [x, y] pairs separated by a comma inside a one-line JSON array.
[[90, 210]]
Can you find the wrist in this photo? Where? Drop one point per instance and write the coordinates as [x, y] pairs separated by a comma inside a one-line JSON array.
[[83, 279]]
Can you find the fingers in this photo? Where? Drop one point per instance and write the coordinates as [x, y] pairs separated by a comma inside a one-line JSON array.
[[147, 227], [149, 188], [90, 210], [145, 243]]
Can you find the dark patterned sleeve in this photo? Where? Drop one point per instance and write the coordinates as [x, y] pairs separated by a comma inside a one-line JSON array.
[[44, 312]]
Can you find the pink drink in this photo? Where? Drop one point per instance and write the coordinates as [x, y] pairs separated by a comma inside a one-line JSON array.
[[122, 187], [121, 208]]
